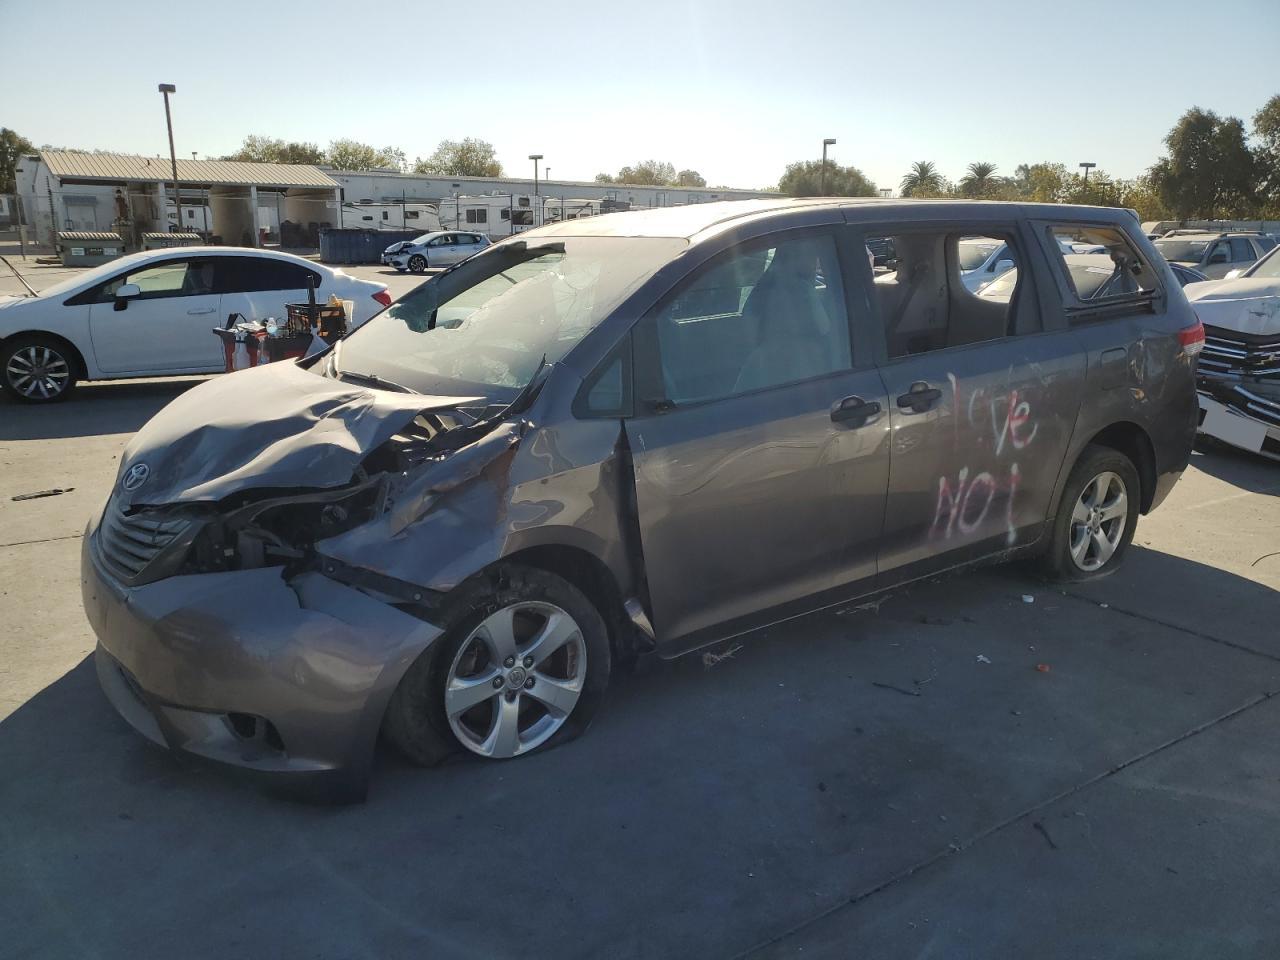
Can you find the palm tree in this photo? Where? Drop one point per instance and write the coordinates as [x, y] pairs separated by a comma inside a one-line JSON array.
[[923, 178], [980, 178]]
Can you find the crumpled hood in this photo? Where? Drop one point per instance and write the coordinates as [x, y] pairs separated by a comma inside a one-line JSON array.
[[1245, 305], [271, 426]]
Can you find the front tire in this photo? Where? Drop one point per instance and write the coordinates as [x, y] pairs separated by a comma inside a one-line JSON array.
[[522, 666], [38, 369], [1096, 517], [417, 263]]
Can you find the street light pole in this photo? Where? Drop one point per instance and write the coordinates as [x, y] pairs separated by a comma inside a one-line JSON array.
[[822, 177], [166, 89], [535, 157], [1087, 167]]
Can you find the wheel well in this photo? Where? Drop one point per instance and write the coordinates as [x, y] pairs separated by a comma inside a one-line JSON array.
[[71, 349], [588, 573], [1131, 440]]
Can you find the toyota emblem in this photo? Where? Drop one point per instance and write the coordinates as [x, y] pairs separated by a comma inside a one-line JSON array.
[[135, 477]]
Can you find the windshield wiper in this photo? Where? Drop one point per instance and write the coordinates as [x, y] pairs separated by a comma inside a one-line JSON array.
[[373, 380]]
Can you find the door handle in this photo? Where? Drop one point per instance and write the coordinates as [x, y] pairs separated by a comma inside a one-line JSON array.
[[197, 313], [919, 398], [854, 410]]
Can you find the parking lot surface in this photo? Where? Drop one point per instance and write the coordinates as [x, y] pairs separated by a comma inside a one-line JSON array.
[[956, 771]]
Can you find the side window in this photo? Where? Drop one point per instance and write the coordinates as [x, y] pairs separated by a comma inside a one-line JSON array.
[[1266, 244], [1220, 252], [1101, 279], [764, 314], [259, 274], [952, 287], [1242, 250], [607, 391], [171, 278], [440, 241]]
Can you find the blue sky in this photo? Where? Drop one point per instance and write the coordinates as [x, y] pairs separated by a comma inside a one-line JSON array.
[[735, 90]]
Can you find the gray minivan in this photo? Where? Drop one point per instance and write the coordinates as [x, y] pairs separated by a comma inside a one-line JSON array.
[[639, 432]]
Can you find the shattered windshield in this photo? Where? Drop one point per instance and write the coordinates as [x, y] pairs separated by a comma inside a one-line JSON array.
[[490, 323]]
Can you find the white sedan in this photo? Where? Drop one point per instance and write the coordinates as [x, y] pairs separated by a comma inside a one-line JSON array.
[[152, 314]]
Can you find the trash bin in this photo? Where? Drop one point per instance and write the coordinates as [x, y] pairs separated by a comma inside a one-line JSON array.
[[163, 241], [88, 248]]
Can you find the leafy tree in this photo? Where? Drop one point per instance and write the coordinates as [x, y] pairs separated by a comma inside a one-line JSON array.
[[979, 180], [12, 149], [1038, 182], [604, 178], [690, 178], [347, 154], [1139, 195], [1209, 170], [261, 149], [461, 158], [923, 180], [804, 179], [648, 173], [1266, 131]]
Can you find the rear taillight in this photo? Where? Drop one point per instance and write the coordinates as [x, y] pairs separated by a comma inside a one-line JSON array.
[[1192, 338], [384, 298]]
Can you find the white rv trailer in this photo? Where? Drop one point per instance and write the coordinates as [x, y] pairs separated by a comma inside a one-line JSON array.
[[390, 215], [504, 214]]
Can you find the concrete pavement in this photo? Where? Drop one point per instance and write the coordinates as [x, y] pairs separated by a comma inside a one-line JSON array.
[[847, 784]]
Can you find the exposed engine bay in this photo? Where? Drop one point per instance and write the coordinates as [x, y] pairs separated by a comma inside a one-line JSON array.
[[432, 451]]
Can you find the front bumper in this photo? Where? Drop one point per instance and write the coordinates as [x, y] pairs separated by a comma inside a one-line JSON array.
[[288, 678], [1237, 428]]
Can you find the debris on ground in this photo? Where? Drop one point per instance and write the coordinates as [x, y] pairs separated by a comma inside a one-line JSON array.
[[43, 493], [1040, 828], [1028, 598], [1104, 606], [929, 679], [933, 621], [983, 658], [710, 659], [872, 605], [890, 686], [1042, 667]]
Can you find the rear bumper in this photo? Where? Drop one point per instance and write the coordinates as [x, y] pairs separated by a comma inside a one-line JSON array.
[[243, 668], [1232, 425]]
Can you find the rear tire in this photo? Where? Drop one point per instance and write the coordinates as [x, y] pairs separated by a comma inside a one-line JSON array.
[[417, 263], [427, 718], [38, 369], [1096, 518]]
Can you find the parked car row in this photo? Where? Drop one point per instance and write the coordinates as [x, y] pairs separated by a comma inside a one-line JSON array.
[[1238, 376], [449, 526], [1214, 254]]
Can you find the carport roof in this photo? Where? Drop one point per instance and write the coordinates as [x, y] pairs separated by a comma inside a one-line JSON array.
[[73, 165]]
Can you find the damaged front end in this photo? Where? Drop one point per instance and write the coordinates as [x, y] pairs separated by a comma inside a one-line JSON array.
[[225, 631], [1238, 374]]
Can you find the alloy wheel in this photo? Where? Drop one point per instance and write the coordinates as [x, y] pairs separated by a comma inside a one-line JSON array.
[[515, 679], [38, 372], [1098, 520]]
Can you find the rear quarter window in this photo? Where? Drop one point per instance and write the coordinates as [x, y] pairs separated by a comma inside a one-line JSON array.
[[1116, 276]]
